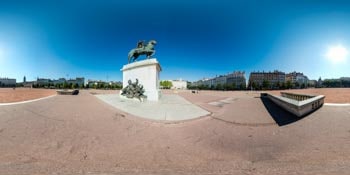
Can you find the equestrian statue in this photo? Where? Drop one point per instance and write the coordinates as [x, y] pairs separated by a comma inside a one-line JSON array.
[[142, 49]]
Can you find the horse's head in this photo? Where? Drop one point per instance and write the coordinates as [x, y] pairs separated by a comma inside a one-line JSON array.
[[153, 42]]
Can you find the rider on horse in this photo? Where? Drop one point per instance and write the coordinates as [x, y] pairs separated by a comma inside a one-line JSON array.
[[142, 49], [140, 44]]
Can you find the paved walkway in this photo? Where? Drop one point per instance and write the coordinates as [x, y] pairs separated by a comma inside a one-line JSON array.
[[84, 135], [244, 111], [168, 108]]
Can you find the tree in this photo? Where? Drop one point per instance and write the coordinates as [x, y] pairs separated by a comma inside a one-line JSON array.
[[166, 84], [231, 86], [65, 85], [242, 87], [118, 86], [219, 87], [254, 86], [266, 84], [277, 85], [100, 86], [289, 84], [283, 85]]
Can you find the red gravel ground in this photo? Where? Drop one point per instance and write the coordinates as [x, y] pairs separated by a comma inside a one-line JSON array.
[[8, 95], [333, 95], [83, 135]]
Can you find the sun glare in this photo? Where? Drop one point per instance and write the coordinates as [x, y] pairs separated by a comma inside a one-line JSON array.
[[337, 54]]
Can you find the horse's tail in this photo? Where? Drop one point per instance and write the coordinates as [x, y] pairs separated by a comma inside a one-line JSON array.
[[131, 54]]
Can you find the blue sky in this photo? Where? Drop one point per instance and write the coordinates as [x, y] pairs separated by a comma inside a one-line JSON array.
[[196, 39]]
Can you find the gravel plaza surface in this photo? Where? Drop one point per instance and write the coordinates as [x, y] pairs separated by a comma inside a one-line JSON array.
[[9, 95], [243, 135], [333, 95]]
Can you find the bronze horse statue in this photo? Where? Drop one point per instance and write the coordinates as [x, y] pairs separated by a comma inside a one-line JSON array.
[[142, 49]]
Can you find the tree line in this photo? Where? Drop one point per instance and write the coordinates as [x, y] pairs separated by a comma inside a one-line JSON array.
[[267, 85], [65, 85], [227, 86], [335, 83]]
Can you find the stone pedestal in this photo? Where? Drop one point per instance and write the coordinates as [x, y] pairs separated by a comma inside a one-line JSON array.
[[147, 72]]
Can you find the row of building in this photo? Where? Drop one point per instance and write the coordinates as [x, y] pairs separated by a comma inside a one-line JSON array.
[[96, 83], [78, 82], [234, 80], [42, 82], [257, 80], [277, 80], [7, 82]]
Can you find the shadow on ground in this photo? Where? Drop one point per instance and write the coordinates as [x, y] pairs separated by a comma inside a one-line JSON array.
[[281, 116]]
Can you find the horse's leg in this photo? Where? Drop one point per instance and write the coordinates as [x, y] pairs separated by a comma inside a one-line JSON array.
[[150, 54], [135, 57]]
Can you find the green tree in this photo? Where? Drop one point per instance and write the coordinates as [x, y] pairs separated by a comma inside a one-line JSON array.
[[100, 85], [65, 85], [277, 85], [289, 84], [232, 86], [242, 87], [166, 84], [253, 85], [219, 87], [266, 84]]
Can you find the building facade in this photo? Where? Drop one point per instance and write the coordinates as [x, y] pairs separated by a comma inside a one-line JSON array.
[[7, 82], [104, 84], [44, 82], [59, 81], [178, 84], [297, 79], [312, 83], [80, 81], [234, 80], [266, 80]]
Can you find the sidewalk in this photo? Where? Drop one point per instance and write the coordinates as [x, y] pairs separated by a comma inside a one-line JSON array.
[[168, 108]]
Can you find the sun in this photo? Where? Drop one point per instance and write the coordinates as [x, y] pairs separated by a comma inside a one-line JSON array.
[[337, 54]]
